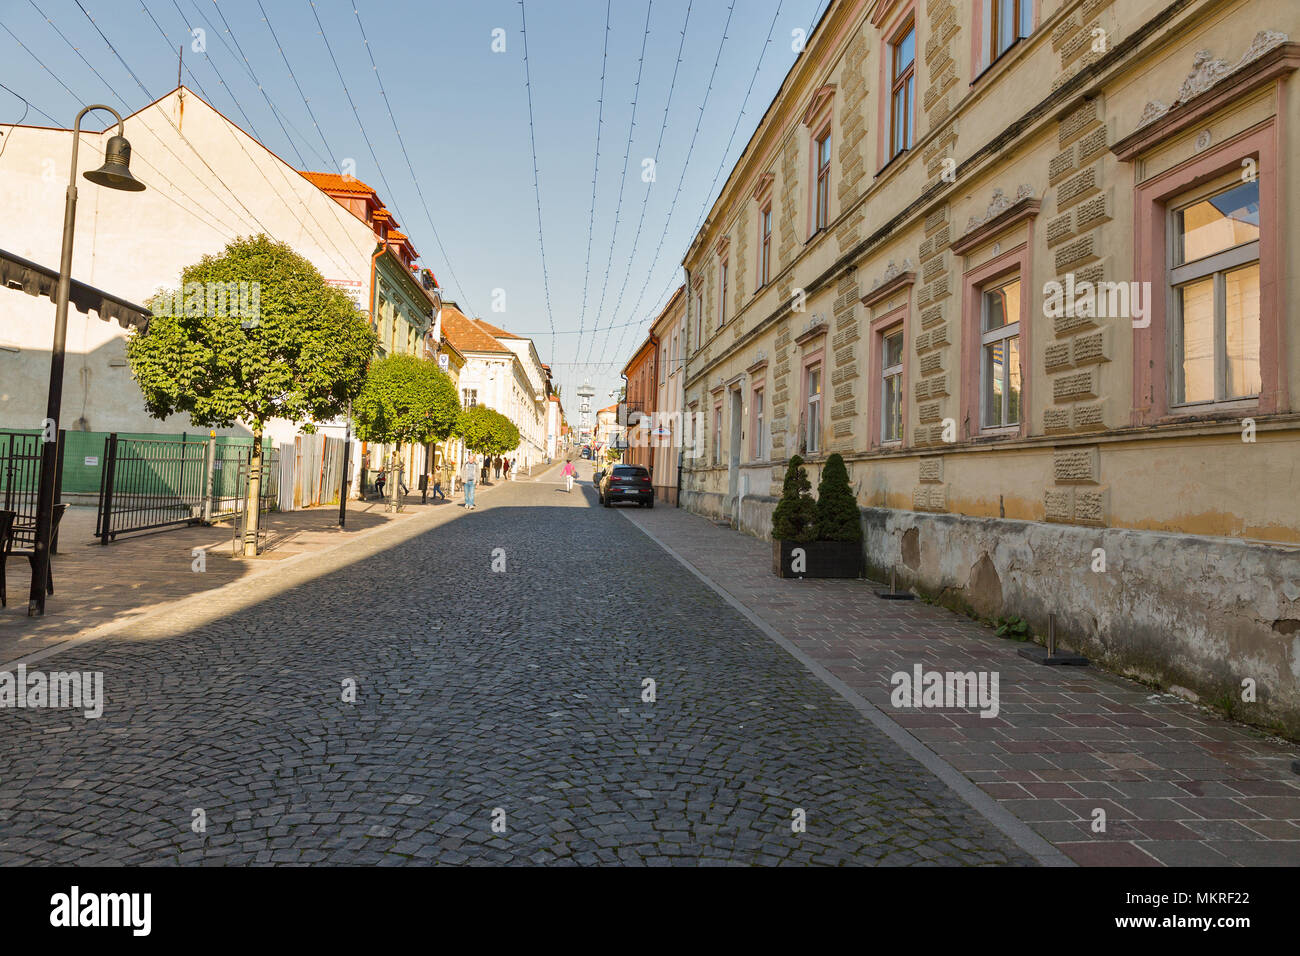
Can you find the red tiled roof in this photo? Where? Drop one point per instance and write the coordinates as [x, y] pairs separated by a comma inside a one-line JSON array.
[[499, 333], [337, 183], [465, 334]]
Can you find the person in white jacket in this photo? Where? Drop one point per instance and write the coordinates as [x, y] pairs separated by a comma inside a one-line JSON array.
[[469, 478]]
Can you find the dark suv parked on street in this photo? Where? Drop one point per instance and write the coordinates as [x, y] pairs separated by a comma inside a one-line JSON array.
[[626, 483]]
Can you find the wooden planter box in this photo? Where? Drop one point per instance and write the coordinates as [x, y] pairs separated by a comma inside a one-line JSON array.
[[821, 559]]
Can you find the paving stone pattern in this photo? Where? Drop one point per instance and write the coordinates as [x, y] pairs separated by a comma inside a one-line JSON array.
[[1179, 785], [475, 691]]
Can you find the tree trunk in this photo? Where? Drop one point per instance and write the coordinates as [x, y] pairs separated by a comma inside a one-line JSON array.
[[253, 504]]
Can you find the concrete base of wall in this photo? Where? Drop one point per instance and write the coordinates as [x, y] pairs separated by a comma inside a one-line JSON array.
[[1215, 620]]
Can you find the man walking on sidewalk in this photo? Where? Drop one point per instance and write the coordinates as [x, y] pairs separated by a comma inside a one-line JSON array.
[[469, 479]]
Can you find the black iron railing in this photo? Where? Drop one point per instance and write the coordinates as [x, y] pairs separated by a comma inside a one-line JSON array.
[[20, 481], [156, 483]]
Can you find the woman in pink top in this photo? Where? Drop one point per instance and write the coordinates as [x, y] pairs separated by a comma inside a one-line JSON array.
[[569, 473]]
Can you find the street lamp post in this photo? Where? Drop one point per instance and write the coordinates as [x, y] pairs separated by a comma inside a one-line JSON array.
[[114, 174]]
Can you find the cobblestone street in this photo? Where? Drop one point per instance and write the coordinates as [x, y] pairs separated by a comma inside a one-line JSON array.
[[511, 697]]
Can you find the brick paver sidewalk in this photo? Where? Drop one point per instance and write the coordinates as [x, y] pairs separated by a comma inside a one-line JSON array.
[[1179, 786]]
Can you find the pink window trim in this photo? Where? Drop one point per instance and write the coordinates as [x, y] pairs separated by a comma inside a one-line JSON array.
[[978, 35], [895, 318], [1151, 205], [809, 360], [885, 104], [1014, 260]]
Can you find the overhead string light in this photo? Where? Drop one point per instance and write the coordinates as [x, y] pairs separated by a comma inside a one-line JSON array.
[[708, 198], [627, 273], [595, 177], [537, 189], [451, 271], [622, 182], [699, 121]]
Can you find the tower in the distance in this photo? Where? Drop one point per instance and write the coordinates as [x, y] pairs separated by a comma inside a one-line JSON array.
[[585, 393]]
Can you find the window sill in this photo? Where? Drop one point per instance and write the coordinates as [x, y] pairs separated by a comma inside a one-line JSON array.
[[892, 159], [998, 59], [1211, 411], [996, 433]]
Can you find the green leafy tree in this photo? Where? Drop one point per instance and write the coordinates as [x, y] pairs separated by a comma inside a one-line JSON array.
[[838, 518], [795, 516], [485, 431], [293, 347], [405, 400]]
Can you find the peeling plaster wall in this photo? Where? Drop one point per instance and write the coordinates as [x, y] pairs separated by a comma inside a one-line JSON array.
[[1191, 614], [1194, 614]]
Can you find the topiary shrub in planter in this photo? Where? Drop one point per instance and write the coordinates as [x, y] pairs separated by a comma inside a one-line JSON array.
[[821, 539], [795, 516]]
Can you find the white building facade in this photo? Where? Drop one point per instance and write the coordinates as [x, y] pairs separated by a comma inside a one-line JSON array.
[[207, 183]]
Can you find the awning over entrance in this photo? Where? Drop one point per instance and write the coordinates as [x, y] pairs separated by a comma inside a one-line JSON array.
[[19, 273]]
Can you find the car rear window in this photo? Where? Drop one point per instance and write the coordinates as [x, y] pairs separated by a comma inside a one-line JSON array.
[[631, 471]]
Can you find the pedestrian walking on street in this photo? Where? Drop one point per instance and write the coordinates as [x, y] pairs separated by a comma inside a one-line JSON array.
[[506, 468], [470, 479], [487, 470], [401, 481], [496, 466], [381, 479], [436, 478], [569, 473]]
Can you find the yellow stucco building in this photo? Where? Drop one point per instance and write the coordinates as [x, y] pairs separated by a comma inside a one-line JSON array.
[[1026, 265]]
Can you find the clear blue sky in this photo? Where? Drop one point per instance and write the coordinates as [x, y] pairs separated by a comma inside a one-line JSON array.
[[463, 112]]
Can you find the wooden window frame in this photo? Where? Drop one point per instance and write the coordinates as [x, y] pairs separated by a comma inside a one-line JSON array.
[[821, 216], [904, 82]]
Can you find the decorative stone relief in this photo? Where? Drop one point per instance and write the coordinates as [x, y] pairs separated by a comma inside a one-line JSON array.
[[892, 272], [999, 205], [1208, 71]]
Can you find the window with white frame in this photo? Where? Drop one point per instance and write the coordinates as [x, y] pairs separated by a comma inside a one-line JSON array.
[[1000, 354], [759, 426], [672, 368], [469, 397], [813, 409], [699, 320], [1214, 273], [891, 386]]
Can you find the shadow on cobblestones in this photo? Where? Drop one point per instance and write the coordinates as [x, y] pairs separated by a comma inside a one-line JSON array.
[[476, 690]]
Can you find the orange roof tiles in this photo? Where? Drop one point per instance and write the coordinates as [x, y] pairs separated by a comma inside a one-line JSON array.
[[499, 333], [465, 334], [338, 183]]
